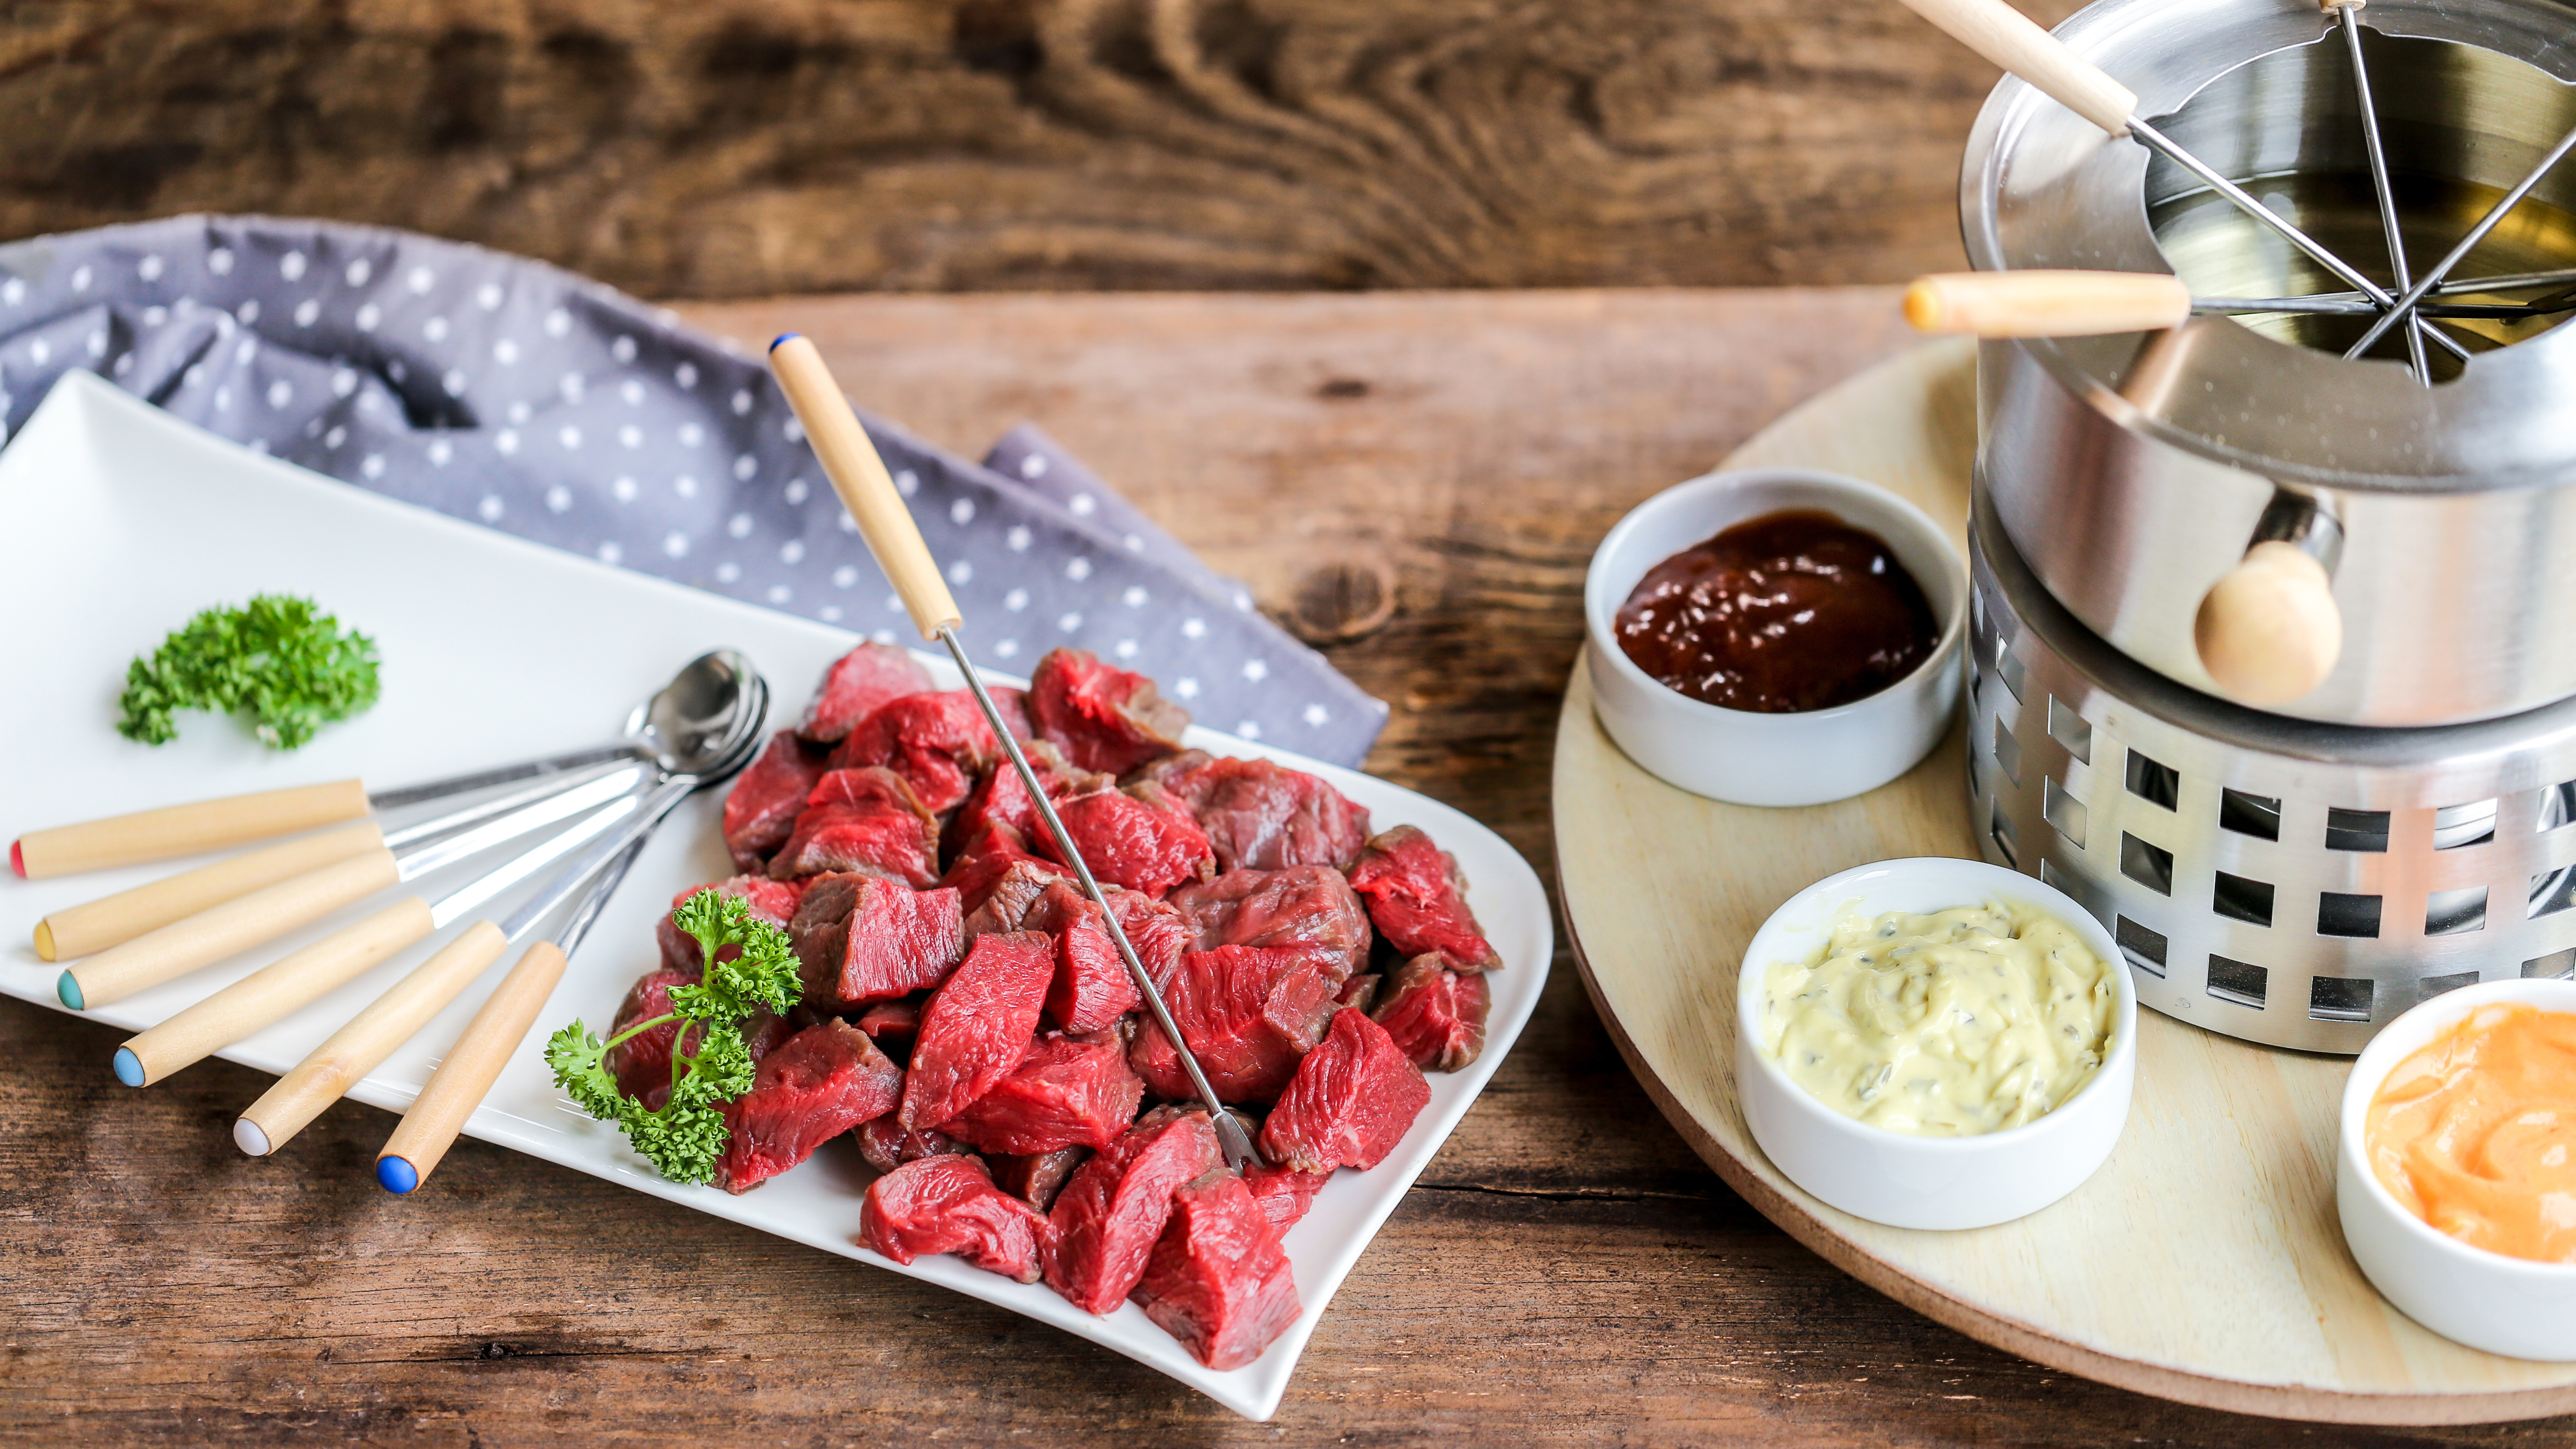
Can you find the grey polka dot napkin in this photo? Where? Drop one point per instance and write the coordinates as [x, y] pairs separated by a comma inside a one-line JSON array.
[[499, 389]]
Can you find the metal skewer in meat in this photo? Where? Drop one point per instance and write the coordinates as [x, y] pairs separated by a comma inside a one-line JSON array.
[[2015, 42], [860, 477]]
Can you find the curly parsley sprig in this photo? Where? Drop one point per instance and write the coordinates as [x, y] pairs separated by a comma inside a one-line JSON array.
[[686, 1134], [279, 660]]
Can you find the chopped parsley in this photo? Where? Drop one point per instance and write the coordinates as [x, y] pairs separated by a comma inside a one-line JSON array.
[[279, 662]]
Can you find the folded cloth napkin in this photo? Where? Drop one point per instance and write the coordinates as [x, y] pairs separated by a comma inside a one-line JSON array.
[[506, 391]]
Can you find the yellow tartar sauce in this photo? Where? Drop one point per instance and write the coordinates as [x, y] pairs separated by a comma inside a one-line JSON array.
[[1963, 1022]]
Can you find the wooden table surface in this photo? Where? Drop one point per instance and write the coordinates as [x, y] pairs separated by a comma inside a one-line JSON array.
[[1566, 1271]]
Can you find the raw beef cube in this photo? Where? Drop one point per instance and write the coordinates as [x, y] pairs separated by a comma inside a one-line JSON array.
[[1115, 1205], [948, 1204], [1359, 991], [1436, 1015], [826, 1080], [1010, 896], [1354, 1098], [863, 938], [1260, 815], [886, 1146], [760, 811], [939, 743], [1248, 1012], [1103, 718], [1092, 989], [642, 1063], [1158, 932], [1138, 838], [1036, 1180], [1418, 900], [1284, 1194], [1217, 1280], [977, 1026], [1309, 906], [986, 859], [892, 1025], [1069, 1091], [1013, 706], [863, 820], [855, 685], [1162, 770], [1002, 797], [773, 901]]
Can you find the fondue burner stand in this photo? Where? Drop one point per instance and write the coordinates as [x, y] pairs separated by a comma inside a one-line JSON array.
[[2296, 872]]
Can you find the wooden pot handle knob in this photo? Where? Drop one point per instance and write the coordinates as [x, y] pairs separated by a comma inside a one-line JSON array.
[[2269, 631], [2046, 303]]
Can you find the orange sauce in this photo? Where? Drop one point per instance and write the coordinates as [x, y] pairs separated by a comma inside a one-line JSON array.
[[2476, 1132]]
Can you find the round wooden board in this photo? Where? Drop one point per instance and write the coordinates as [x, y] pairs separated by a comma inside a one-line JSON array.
[[2203, 1263]]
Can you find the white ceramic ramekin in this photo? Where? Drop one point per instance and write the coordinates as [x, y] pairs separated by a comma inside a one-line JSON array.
[[1926, 1182], [2511, 1306], [1772, 759]]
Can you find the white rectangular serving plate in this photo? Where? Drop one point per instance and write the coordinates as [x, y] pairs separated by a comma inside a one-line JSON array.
[[124, 522]]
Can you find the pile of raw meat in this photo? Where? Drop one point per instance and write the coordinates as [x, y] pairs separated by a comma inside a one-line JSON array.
[[966, 1016]]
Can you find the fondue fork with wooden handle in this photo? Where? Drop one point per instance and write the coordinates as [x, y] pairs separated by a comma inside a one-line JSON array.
[[301, 977], [2048, 65], [328, 1072], [237, 925], [2269, 631], [860, 477], [176, 830], [93, 926], [466, 1073]]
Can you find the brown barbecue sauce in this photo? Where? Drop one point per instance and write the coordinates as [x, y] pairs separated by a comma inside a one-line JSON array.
[[1790, 611]]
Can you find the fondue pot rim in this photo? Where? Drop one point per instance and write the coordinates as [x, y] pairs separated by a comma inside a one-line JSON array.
[[2367, 424]]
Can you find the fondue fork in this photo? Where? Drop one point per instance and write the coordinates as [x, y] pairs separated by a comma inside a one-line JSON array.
[[328, 1072], [2478, 233], [2348, 18], [301, 977], [211, 935], [464, 1076], [2015, 42], [859, 476], [2048, 303]]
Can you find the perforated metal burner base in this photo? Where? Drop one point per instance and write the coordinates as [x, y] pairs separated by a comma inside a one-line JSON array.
[[2282, 881]]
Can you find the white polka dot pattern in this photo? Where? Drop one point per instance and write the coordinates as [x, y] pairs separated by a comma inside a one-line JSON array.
[[518, 396]]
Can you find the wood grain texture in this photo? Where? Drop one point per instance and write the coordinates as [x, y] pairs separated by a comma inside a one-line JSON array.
[[2203, 1261], [748, 147], [163, 1289]]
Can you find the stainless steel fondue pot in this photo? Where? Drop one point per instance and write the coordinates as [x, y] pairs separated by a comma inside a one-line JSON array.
[[2293, 870]]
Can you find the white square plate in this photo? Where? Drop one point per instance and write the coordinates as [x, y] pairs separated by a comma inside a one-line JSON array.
[[123, 522]]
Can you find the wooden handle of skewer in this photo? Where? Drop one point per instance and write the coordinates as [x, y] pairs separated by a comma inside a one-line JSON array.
[[2016, 42], [177, 830], [469, 1069], [112, 920], [261, 998], [859, 476], [2269, 631], [358, 1048], [2041, 303], [237, 925]]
